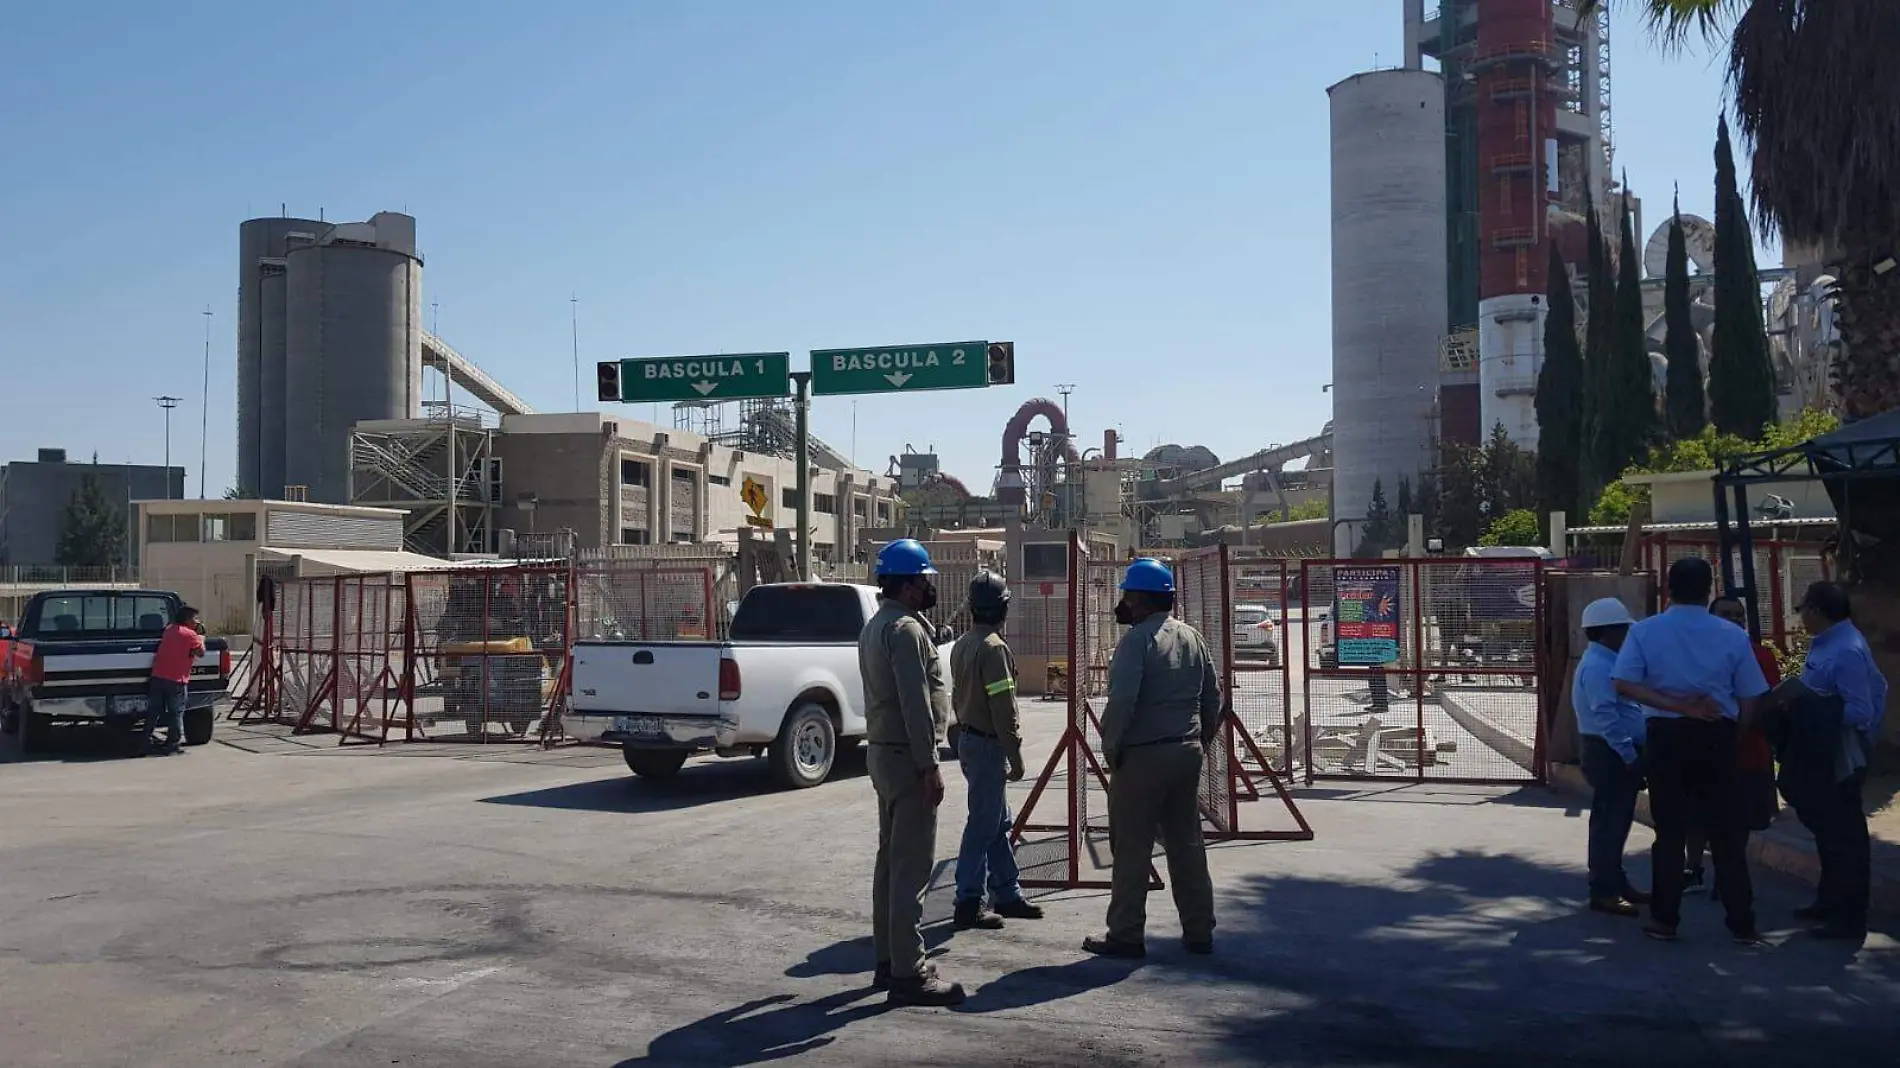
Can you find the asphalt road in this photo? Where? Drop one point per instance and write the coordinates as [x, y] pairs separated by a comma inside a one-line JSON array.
[[303, 905]]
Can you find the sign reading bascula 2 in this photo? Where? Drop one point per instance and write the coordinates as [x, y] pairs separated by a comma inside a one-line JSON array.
[[900, 368]]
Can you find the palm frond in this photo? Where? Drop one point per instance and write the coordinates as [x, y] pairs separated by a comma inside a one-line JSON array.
[[1674, 22]]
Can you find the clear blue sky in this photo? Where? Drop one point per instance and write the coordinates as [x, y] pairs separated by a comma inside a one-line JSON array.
[[1135, 193]]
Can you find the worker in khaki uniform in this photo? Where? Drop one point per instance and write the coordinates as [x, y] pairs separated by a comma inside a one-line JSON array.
[[906, 707], [990, 750], [1163, 709]]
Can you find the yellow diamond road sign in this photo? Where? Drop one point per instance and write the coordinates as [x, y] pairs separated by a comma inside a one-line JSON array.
[[752, 492]]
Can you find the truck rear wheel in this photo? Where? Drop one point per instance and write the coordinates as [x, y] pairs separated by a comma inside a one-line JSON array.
[[198, 725], [653, 763], [35, 730], [806, 748]]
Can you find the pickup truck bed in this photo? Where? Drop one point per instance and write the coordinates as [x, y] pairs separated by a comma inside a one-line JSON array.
[[85, 656]]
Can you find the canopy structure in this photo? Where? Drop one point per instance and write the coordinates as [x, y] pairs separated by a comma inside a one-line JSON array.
[[1858, 464]]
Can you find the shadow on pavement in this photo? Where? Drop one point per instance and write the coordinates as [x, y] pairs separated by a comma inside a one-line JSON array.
[[760, 1031], [1048, 983], [856, 956], [77, 744], [698, 783]]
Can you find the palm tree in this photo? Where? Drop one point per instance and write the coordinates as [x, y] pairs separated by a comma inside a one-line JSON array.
[[1819, 110]]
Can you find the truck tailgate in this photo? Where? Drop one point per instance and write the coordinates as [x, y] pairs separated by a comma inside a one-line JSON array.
[[667, 678]]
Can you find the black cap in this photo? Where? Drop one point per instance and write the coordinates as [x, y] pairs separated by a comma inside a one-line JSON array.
[[988, 591]]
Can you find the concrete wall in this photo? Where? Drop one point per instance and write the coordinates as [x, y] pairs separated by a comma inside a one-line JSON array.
[[1689, 497], [33, 496]]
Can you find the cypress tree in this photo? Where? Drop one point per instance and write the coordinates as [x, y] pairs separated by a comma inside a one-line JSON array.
[[1601, 454], [1686, 405], [1633, 410], [1741, 378], [91, 530], [1559, 397]]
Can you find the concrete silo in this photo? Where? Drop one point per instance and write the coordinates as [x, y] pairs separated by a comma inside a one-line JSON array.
[[262, 245], [1389, 284], [353, 345]]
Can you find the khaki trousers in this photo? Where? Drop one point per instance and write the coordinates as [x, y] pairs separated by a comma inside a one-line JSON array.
[[1156, 786], [906, 853]]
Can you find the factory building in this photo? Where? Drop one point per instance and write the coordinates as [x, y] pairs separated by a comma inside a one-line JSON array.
[[329, 335], [34, 493]]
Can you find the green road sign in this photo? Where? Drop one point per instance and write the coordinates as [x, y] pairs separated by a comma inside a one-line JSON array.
[[715, 378], [899, 368]]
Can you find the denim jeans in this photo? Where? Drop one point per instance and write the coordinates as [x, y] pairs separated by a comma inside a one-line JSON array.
[[1613, 789], [165, 699], [985, 856]]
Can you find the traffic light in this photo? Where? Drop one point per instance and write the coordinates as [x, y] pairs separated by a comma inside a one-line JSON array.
[[1002, 363], [609, 374]]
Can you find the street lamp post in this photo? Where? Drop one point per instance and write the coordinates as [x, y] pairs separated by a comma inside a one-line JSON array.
[[168, 403]]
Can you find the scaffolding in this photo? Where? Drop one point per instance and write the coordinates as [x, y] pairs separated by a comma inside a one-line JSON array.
[[440, 471]]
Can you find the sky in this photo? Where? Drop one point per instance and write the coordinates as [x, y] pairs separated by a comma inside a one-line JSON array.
[[1134, 193]]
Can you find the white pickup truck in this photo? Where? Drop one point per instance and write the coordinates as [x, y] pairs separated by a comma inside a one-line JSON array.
[[784, 683]]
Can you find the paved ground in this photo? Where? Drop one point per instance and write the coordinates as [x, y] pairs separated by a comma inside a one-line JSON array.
[[436, 906]]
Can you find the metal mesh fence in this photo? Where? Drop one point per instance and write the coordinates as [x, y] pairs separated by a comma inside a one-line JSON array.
[[490, 652], [371, 658], [1201, 601], [1267, 640], [1783, 571], [1424, 669]]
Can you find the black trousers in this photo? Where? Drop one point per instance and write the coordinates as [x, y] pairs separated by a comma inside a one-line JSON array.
[[1837, 817], [1691, 765], [1613, 789]]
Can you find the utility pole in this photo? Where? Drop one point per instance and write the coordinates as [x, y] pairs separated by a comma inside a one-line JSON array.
[[801, 456], [574, 323], [168, 403], [204, 412]]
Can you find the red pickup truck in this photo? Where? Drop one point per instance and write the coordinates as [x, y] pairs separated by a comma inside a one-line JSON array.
[[85, 656]]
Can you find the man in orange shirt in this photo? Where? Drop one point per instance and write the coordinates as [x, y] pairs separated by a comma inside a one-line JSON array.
[[183, 643]]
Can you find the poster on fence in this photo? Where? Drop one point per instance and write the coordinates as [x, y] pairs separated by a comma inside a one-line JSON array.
[[1366, 614]]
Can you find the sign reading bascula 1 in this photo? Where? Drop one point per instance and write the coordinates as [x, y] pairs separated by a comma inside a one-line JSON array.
[[734, 377], [900, 368]]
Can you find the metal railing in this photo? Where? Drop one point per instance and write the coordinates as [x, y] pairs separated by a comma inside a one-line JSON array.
[[55, 575]]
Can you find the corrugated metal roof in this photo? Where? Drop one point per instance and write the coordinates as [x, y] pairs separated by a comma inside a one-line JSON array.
[[366, 561], [1671, 528]]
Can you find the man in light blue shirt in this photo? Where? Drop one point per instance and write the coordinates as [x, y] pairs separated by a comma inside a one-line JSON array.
[[1696, 675], [1612, 730], [1839, 673]]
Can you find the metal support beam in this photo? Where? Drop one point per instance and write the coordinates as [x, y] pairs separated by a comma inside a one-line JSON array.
[[801, 455]]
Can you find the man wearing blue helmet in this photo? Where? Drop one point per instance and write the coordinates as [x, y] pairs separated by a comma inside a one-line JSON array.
[[906, 706], [1163, 709]]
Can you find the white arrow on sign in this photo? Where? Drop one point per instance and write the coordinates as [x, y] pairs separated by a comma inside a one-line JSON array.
[[898, 379], [704, 388]]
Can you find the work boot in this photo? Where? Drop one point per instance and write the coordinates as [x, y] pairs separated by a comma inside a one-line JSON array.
[[929, 990], [1112, 947], [881, 975], [1200, 947], [1660, 931], [1018, 909], [1839, 931], [1816, 911], [1635, 896], [1613, 906], [971, 915]]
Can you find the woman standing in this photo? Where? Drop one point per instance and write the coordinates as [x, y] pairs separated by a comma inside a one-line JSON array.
[[1755, 759]]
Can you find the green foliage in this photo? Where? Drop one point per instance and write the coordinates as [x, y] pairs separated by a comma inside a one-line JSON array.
[[1613, 507], [1382, 529], [91, 529], [1687, 404], [1602, 453], [1313, 509], [1628, 427], [1559, 393], [1741, 378], [1518, 526], [1704, 452], [1475, 486]]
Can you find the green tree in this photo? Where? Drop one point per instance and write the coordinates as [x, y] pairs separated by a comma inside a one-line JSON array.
[[1559, 396], [1741, 378], [1602, 453], [1817, 103], [1381, 530], [1508, 474], [91, 528], [1687, 405], [1462, 496], [1706, 451], [1630, 403], [1518, 526]]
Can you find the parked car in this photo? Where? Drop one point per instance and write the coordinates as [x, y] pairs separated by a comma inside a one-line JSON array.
[[85, 656], [1255, 634], [785, 684]]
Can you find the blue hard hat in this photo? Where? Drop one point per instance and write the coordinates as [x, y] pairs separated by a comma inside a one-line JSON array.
[[905, 556], [1149, 575]]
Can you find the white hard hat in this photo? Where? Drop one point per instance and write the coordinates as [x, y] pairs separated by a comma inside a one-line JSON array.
[[1606, 612]]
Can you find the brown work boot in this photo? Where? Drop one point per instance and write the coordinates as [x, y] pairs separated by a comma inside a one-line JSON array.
[[925, 991], [1018, 909], [1113, 947], [971, 915], [881, 975], [1614, 906]]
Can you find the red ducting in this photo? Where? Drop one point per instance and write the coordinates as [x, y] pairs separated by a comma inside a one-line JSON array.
[[1018, 426]]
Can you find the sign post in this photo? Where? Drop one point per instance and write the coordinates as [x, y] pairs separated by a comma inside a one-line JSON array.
[[708, 378], [900, 368], [801, 455]]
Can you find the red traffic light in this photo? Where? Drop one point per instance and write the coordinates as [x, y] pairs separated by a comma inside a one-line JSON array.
[[1002, 363]]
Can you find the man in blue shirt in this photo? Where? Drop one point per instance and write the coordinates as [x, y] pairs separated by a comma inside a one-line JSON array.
[[1612, 730], [1696, 675], [1839, 668]]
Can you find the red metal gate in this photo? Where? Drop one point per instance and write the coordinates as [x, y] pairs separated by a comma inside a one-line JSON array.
[[1266, 642], [1422, 670]]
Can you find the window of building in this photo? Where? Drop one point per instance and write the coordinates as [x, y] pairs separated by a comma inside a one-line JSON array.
[[635, 473], [719, 480], [860, 508], [166, 527], [788, 497], [1047, 562], [824, 502], [884, 512], [635, 536]]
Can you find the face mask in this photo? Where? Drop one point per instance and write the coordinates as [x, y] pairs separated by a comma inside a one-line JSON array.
[[1124, 614], [930, 597]]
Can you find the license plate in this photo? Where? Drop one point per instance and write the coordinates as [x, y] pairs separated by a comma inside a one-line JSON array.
[[128, 705], [639, 725]]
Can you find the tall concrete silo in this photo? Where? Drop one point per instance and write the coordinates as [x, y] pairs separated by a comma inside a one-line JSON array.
[[1389, 284], [353, 345], [262, 245]]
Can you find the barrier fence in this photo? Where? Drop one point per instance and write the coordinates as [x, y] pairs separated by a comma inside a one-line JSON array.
[[1783, 571], [1426, 669]]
